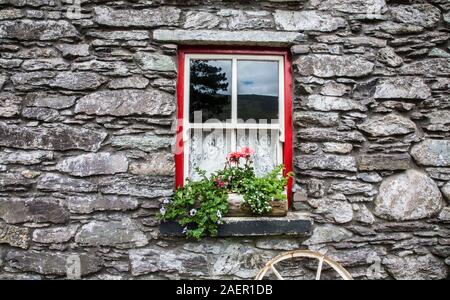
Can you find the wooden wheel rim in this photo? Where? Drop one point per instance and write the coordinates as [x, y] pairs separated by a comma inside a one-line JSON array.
[[307, 254]]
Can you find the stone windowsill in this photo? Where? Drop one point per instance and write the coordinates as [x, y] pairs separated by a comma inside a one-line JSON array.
[[294, 224]]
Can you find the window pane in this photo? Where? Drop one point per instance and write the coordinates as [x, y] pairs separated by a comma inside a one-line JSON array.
[[208, 151], [266, 145], [210, 90], [258, 90]]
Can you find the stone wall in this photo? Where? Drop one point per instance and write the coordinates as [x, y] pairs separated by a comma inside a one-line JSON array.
[[87, 113]]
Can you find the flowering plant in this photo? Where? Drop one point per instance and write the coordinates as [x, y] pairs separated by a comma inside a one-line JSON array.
[[199, 206]]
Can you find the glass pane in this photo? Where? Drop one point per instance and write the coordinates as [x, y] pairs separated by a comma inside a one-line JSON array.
[[210, 90], [208, 151], [258, 90], [265, 143]]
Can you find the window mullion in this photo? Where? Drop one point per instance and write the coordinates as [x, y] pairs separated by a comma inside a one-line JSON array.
[[234, 98]]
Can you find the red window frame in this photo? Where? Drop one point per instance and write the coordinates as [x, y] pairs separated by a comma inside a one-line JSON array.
[[288, 144]]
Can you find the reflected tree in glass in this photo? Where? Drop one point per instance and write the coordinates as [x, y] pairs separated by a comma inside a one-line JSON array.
[[210, 90]]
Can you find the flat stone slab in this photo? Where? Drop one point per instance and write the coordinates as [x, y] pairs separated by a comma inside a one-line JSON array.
[[294, 224], [222, 37]]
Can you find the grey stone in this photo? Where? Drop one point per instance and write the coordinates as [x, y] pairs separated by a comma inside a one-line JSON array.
[[351, 6], [221, 37], [150, 102], [55, 138], [326, 162], [90, 203], [121, 234], [446, 191], [145, 142], [387, 125], [445, 214], [437, 52], [124, 35], [14, 236], [389, 57], [338, 211], [154, 62], [402, 88], [330, 135], [411, 195], [10, 63], [238, 261], [77, 81], [138, 186], [3, 80], [379, 162], [363, 215], [13, 13], [66, 80], [73, 50], [300, 49], [93, 164], [307, 21], [145, 261], [40, 113], [35, 210], [327, 103], [353, 187], [332, 88], [425, 15], [341, 66], [238, 19], [132, 82], [157, 164], [25, 157], [278, 244], [50, 101], [352, 42], [339, 148], [324, 119], [14, 182], [45, 64], [54, 235], [28, 30], [59, 183], [328, 234], [53, 263], [432, 66], [201, 20], [426, 267], [117, 68], [152, 17], [9, 105], [432, 153]]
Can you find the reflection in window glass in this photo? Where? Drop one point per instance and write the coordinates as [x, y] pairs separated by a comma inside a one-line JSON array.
[[258, 90], [210, 90]]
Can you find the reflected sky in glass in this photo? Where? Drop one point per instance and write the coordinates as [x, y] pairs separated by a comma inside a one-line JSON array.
[[258, 90]]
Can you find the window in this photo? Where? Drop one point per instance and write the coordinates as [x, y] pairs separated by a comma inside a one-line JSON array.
[[229, 99]]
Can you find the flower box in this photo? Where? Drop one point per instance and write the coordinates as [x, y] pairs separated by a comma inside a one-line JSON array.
[[237, 209]]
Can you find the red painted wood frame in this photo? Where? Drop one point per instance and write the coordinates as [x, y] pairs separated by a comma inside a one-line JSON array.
[[288, 144]]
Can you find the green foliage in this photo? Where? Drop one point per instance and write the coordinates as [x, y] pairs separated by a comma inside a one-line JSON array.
[[200, 205]]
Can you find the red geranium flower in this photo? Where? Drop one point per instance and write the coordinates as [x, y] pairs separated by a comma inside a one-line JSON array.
[[247, 151]]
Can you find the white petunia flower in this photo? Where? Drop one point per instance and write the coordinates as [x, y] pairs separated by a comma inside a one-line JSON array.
[[162, 211], [193, 212]]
